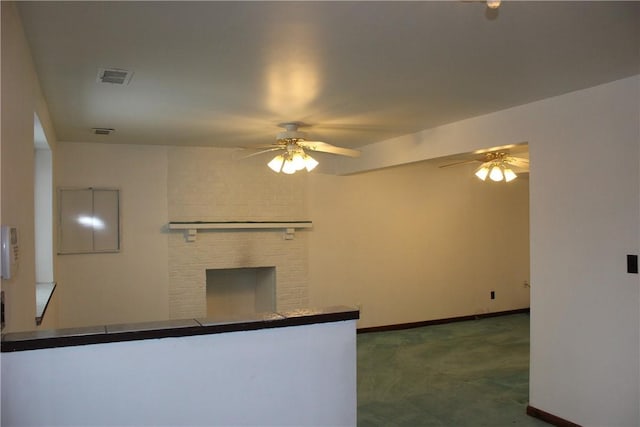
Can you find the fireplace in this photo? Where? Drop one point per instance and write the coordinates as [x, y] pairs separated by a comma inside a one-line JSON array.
[[258, 256], [232, 291]]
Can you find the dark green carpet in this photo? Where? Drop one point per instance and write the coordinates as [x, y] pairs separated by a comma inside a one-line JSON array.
[[473, 373]]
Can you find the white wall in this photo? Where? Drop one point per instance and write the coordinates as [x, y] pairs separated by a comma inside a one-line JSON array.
[[584, 215], [131, 285], [294, 376], [417, 242], [21, 98], [584, 220], [43, 211]]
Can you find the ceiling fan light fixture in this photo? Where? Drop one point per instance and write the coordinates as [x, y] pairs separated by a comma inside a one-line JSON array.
[[291, 163], [496, 173], [497, 166], [276, 163], [298, 160], [289, 167], [509, 175], [482, 172], [310, 163], [294, 146]]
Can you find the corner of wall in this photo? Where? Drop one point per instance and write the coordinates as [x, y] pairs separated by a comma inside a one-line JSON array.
[[21, 97]]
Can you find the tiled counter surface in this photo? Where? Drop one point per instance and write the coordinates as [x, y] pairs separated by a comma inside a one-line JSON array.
[[34, 340]]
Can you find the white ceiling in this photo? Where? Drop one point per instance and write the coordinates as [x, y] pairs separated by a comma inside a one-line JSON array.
[[226, 73]]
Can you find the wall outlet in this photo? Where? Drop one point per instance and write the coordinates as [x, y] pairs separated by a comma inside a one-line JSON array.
[[493, 294]]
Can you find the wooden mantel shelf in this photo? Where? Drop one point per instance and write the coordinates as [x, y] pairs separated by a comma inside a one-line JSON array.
[[191, 227]]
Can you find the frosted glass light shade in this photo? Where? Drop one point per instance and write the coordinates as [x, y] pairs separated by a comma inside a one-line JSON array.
[[509, 175], [496, 173], [288, 167], [498, 170], [276, 163], [310, 163], [298, 161], [482, 172], [291, 163]]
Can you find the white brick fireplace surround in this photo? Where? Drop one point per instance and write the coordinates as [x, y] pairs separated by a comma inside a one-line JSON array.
[[198, 183], [223, 249]]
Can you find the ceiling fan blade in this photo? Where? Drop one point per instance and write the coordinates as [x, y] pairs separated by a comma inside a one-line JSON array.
[[268, 150], [274, 145], [518, 162], [328, 148], [462, 162], [520, 169]]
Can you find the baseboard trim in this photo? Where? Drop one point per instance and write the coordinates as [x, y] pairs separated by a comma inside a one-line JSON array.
[[411, 325], [549, 418]]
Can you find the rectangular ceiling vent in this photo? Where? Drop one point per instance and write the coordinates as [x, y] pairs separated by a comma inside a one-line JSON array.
[[114, 76], [102, 131]]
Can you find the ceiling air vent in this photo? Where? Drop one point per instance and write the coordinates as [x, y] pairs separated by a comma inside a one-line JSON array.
[[102, 131], [114, 76]]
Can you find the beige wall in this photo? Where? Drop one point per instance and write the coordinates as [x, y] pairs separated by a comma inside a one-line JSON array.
[[406, 244], [131, 285], [152, 277], [418, 242], [21, 98]]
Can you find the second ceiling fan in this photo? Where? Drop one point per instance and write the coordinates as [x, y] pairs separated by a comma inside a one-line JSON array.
[[496, 165]]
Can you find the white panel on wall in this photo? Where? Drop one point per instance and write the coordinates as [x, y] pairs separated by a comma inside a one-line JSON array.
[[73, 205], [89, 220], [105, 208]]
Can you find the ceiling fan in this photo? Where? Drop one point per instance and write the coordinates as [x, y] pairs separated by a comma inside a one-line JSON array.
[[496, 165], [293, 143]]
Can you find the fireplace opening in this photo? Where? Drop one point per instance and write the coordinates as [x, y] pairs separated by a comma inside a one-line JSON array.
[[233, 291]]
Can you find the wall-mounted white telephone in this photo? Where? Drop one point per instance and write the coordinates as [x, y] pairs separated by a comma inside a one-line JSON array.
[[10, 253]]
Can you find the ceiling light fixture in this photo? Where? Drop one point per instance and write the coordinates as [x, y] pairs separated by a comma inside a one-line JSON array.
[[496, 173], [497, 169], [493, 4], [291, 161], [276, 163], [293, 144], [509, 175], [482, 172]]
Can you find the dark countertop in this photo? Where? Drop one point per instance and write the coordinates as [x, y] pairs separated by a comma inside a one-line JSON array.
[[36, 340]]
